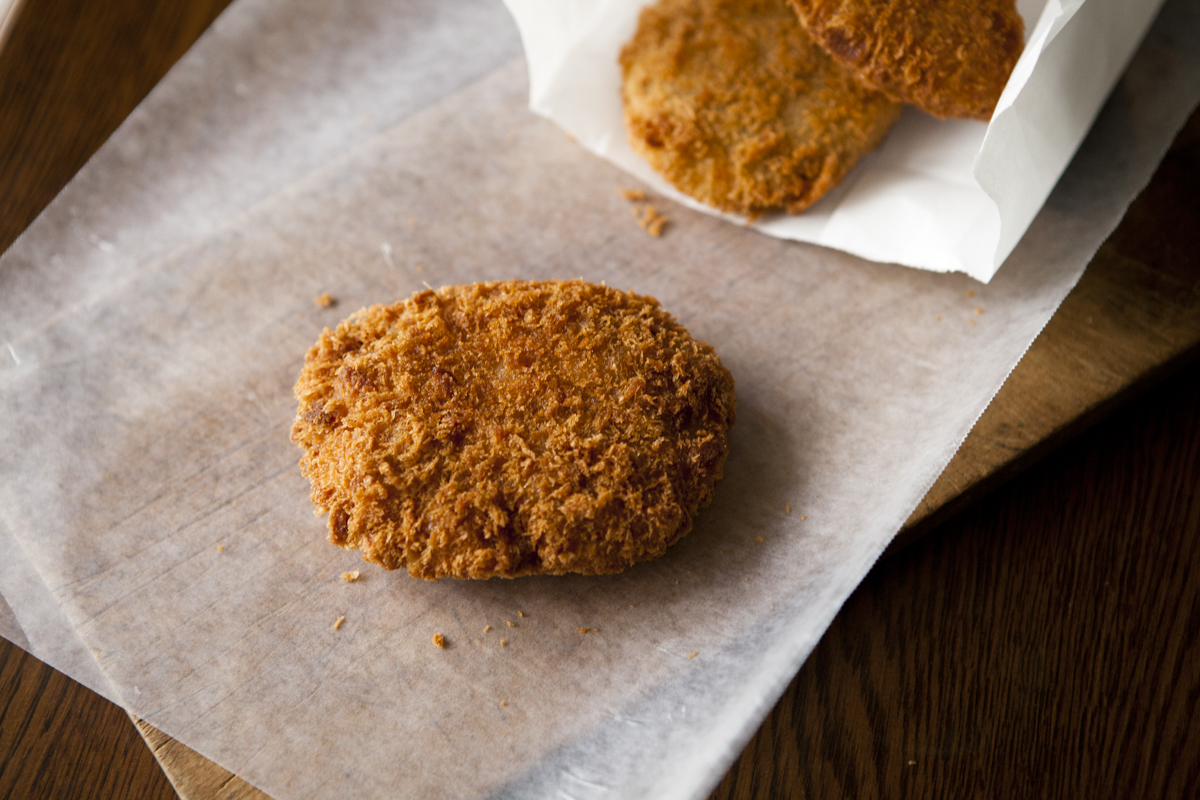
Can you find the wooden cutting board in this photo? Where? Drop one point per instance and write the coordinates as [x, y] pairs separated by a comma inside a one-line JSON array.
[[1133, 320]]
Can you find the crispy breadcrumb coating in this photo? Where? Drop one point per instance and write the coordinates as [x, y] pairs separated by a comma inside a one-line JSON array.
[[950, 58], [512, 428], [733, 103]]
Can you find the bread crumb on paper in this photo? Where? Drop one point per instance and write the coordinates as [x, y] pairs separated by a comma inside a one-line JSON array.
[[439, 640], [970, 292], [978, 309], [520, 613], [649, 220], [510, 623], [503, 643], [804, 516], [587, 630], [220, 548], [337, 626], [487, 628], [350, 577], [324, 300], [788, 508], [759, 539], [693, 654], [503, 703], [632, 194], [970, 321]]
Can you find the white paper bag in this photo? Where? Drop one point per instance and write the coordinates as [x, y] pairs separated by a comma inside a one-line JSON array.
[[943, 195]]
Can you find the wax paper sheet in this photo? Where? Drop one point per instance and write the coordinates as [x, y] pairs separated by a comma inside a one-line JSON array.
[[942, 195], [148, 480]]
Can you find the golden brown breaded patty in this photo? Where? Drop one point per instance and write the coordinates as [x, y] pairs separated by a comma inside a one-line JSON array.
[[950, 58], [512, 428], [734, 104]]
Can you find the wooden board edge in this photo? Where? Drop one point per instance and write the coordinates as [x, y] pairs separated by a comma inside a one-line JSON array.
[[194, 776]]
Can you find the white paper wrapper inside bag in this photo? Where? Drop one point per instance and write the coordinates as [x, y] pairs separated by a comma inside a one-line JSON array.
[[948, 196]]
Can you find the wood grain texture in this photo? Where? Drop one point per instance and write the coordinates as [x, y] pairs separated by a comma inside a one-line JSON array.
[[59, 739], [971, 653], [70, 72], [1045, 643], [1133, 319]]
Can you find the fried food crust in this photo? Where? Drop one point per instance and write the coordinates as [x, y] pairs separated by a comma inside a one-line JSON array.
[[950, 58], [512, 428], [733, 104]]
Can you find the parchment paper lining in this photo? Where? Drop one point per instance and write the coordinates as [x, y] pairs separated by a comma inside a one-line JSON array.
[[150, 412]]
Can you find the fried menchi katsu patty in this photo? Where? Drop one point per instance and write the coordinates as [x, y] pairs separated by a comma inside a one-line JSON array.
[[950, 58], [512, 428], [733, 103]]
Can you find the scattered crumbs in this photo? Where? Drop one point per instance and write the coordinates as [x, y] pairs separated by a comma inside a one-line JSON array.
[[324, 300], [747, 580], [970, 292], [487, 628], [804, 516], [412, 221], [503, 643], [759, 539], [503, 703], [510, 623], [439, 640], [676, 583], [520, 613], [912, 763], [632, 194], [788, 508], [420, 268], [978, 309], [649, 220], [512, 136], [970, 322], [693, 654], [587, 630], [338, 625], [938, 318], [350, 577], [220, 548]]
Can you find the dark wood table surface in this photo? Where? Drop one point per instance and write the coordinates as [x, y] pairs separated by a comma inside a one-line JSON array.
[[1043, 642]]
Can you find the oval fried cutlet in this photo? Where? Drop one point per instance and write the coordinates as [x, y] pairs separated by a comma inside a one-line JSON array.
[[512, 428], [733, 103], [950, 58]]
